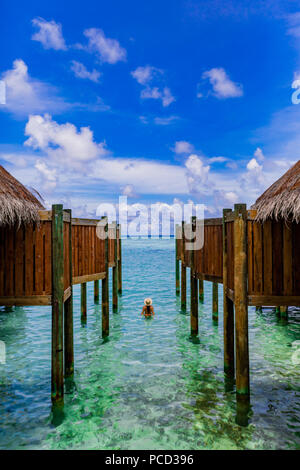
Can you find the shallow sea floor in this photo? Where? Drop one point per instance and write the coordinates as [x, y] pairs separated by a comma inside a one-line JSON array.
[[149, 386]]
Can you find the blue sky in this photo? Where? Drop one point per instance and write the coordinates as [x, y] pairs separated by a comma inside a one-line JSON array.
[[159, 101]]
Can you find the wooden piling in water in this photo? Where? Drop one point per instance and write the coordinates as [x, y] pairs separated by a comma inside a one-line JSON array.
[[183, 271], [83, 302], [68, 315], [57, 356], [241, 300], [283, 312], [115, 271], [228, 311], [177, 282], [96, 291], [201, 290], [215, 301], [120, 261], [105, 290], [194, 286]]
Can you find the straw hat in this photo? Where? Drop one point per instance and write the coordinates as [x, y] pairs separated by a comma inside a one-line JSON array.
[[148, 301]]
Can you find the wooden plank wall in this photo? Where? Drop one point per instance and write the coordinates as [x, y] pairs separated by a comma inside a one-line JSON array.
[[273, 258], [87, 251], [209, 260], [25, 260]]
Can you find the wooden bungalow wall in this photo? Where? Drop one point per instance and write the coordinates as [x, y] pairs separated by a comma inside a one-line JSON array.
[[25, 261], [209, 260], [87, 251], [273, 257]]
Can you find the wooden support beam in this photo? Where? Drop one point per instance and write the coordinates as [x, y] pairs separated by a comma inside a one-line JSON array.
[[57, 353], [183, 271], [96, 291], [194, 287], [68, 314], [215, 301], [115, 271], [228, 311], [83, 302], [241, 300], [274, 301], [120, 261], [201, 290], [105, 290], [177, 282], [88, 278]]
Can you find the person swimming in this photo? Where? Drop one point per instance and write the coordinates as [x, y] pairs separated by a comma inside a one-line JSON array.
[[148, 310]]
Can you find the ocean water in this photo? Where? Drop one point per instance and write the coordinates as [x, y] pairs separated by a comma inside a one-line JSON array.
[[149, 386]]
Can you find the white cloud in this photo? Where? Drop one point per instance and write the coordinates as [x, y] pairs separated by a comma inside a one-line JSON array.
[[223, 87], [108, 50], [27, 95], [252, 165], [48, 175], [253, 181], [218, 159], [49, 34], [155, 93], [167, 97], [182, 146], [63, 142], [81, 71], [258, 154], [197, 175], [294, 24], [144, 75], [147, 176], [129, 191], [165, 121]]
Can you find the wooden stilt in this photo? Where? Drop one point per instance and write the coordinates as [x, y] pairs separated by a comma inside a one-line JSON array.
[[120, 261], [96, 291], [201, 290], [228, 311], [215, 301], [183, 272], [83, 302], [194, 288], [241, 300], [283, 312], [105, 291], [177, 285], [68, 318], [115, 272], [57, 356]]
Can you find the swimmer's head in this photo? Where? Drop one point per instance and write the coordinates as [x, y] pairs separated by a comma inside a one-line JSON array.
[[148, 301]]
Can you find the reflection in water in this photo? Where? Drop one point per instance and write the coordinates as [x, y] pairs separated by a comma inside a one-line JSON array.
[[148, 386]]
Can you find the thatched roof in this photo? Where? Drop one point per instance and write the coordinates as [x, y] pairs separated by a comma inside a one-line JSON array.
[[17, 204], [282, 199]]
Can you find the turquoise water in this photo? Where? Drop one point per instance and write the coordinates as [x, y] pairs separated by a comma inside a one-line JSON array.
[[148, 386]]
